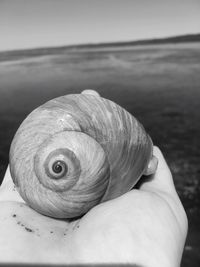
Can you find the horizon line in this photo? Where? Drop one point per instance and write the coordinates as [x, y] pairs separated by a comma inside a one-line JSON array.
[[153, 40]]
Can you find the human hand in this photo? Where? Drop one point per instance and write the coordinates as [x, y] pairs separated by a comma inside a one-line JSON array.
[[146, 226]]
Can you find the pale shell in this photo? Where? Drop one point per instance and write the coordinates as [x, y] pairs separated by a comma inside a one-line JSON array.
[[101, 148]]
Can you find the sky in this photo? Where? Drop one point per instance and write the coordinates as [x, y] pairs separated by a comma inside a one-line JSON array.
[[41, 23]]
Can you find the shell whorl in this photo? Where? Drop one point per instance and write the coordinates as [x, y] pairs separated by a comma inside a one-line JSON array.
[[76, 151]]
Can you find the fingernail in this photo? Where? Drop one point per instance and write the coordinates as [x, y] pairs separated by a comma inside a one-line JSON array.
[[152, 166]]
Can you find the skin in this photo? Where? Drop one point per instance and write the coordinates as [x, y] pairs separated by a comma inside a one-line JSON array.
[[146, 226]]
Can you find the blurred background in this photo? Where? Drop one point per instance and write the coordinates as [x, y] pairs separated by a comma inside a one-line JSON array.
[[142, 54]]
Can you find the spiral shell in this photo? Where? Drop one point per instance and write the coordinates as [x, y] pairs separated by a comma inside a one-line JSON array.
[[76, 151]]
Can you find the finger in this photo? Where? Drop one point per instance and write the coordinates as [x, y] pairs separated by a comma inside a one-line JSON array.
[[7, 177], [152, 166], [162, 179], [90, 92], [8, 191], [162, 184]]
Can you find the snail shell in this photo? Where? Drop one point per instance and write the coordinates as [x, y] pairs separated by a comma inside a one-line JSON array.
[[76, 151]]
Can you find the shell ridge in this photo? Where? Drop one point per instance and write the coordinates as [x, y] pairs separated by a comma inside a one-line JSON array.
[[116, 152]]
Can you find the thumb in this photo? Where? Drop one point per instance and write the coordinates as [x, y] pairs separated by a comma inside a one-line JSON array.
[[161, 180], [161, 183]]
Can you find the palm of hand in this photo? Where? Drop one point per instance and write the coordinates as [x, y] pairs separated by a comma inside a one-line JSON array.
[[142, 226]]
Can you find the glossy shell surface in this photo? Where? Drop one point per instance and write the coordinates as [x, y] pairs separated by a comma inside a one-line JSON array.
[[100, 148]]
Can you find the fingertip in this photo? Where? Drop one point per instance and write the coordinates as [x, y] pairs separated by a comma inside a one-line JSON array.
[[162, 179], [157, 151], [90, 92], [162, 166], [152, 166], [7, 176]]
